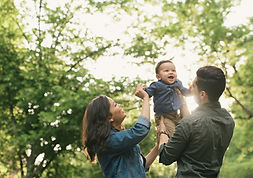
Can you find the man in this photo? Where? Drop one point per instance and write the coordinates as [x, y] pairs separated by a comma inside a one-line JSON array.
[[201, 139]]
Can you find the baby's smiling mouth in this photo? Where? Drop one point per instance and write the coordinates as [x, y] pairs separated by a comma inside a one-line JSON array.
[[171, 77]]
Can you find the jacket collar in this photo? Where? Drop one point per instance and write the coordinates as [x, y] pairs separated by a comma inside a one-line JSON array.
[[213, 105]]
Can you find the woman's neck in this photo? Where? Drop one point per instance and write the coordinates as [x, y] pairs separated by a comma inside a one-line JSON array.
[[118, 127]]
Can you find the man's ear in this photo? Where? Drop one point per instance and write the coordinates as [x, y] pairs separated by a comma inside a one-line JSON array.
[[203, 93], [158, 77], [204, 97]]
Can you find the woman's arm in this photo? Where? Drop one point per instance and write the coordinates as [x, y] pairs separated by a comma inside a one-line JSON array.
[[123, 140], [141, 93], [150, 158]]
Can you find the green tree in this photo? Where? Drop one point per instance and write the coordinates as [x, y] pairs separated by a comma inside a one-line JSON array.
[[10, 79], [202, 24], [44, 86]]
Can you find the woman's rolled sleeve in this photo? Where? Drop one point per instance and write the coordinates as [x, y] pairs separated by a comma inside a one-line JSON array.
[[123, 140], [144, 121]]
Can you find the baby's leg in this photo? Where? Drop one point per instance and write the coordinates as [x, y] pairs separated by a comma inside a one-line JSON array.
[[170, 126], [170, 121]]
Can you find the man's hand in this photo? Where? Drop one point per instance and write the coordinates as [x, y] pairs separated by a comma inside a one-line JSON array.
[[163, 138]]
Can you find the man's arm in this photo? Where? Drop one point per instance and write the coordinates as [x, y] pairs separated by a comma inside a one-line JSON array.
[[184, 110], [170, 149], [163, 136]]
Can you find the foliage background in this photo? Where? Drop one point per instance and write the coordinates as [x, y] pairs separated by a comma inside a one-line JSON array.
[[46, 79]]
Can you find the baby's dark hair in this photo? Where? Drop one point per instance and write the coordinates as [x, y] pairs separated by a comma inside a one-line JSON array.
[[160, 63], [212, 80]]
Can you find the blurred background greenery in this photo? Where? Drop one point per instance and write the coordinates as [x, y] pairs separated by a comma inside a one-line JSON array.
[[49, 58]]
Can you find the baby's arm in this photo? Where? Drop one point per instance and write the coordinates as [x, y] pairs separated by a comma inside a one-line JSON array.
[[184, 91], [151, 89]]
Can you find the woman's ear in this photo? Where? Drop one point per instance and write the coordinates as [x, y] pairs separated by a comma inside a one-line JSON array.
[[111, 120]]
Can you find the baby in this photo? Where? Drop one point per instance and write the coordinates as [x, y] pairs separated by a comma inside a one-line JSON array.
[[167, 96]]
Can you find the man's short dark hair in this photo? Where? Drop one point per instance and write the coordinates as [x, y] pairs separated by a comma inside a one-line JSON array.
[[212, 80], [160, 63]]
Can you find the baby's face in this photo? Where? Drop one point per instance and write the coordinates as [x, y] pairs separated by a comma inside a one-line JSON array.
[[167, 73]]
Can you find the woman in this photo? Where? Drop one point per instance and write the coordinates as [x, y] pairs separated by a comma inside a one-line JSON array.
[[117, 149]]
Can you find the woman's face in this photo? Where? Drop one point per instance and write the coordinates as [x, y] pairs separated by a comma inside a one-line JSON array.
[[118, 114]]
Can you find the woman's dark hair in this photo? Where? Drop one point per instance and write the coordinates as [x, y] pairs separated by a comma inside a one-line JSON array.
[[160, 63], [212, 80], [96, 126]]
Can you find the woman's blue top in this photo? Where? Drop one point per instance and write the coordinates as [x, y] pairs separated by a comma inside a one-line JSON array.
[[123, 157]]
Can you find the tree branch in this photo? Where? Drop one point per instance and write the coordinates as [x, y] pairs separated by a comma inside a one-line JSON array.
[[14, 128], [90, 55], [83, 58], [238, 102], [244, 108]]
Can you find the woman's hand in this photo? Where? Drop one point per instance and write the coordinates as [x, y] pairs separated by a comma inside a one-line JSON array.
[[140, 91]]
